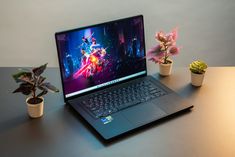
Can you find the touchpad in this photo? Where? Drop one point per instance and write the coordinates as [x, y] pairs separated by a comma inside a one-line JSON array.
[[143, 113]]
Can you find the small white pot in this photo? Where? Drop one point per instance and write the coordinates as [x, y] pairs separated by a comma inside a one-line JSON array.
[[35, 110], [197, 79], [165, 69]]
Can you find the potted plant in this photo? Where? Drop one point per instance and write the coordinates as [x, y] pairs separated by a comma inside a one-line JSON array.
[[30, 82], [165, 48], [198, 69]]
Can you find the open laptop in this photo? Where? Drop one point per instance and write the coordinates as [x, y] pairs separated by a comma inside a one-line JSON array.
[[104, 77]]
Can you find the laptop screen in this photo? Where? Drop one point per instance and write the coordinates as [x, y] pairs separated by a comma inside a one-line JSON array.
[[100, 55]]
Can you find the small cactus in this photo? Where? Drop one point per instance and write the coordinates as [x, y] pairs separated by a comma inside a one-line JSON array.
[[198, 67]]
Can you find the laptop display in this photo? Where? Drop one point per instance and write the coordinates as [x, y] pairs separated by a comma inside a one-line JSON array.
[[101, 55]]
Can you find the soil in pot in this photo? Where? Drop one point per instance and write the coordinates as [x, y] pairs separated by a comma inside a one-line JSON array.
[[34, 101], [168, 62]]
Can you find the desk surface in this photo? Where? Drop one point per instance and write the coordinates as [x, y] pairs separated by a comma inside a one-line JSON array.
[[208, 130]]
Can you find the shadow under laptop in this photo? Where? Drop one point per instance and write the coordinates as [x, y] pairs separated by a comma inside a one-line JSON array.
[[83, 122], [188, 91], [184, 89], [135, 132]]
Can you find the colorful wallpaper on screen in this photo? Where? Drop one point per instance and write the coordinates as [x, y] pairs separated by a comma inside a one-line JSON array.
[[100, 54]]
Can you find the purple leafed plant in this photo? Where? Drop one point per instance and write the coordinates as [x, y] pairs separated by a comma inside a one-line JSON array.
[[31, 81], [165, 48]]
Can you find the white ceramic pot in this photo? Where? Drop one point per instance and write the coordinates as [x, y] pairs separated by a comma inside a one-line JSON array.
[[35, 110], [165, 69], [197, 79]]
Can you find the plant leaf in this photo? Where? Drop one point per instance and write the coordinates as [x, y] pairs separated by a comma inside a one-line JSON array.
[[39, 70], [198, 67], [25, 88], [40, 80], [27, 77], [50, 87], [22, 76], [42, 87]]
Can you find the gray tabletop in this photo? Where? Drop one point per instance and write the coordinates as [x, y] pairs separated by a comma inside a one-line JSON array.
[[208, 130]]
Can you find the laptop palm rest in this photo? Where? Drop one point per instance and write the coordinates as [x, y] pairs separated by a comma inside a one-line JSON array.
[[143, 113]]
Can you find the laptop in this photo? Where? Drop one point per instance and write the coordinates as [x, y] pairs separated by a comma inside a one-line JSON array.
[[104, 77]]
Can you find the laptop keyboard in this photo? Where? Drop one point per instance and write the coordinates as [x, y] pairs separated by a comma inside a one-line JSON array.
[[108, 102]]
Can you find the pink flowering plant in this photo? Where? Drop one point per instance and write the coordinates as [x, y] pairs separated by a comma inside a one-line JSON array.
[[165, 48]]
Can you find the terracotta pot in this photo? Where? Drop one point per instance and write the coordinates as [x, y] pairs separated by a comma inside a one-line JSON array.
[[165, 69], [197, 79], [35, 110]]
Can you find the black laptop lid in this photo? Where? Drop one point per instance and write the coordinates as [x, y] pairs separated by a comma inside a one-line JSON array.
[[93, 57]]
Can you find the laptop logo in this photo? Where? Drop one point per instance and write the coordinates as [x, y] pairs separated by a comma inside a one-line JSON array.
[[106, 120]]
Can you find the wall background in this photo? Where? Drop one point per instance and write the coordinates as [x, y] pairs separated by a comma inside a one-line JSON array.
[[206, 28]]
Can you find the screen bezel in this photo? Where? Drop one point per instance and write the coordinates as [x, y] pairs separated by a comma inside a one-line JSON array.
[[101, 88]]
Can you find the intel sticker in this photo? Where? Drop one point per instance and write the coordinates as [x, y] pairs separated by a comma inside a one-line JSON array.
[[106, 120]]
